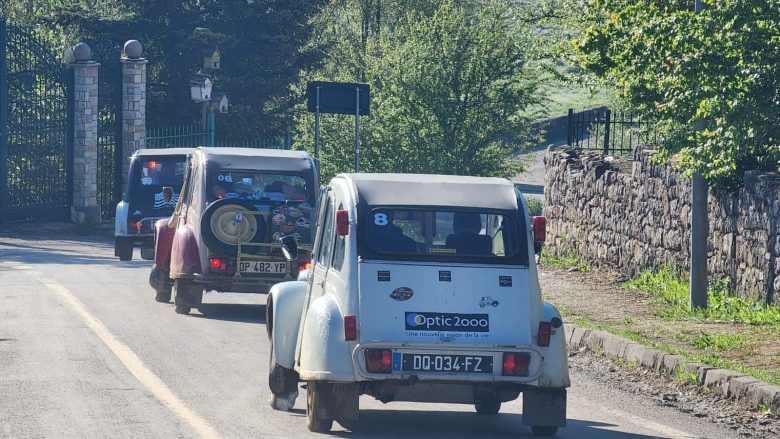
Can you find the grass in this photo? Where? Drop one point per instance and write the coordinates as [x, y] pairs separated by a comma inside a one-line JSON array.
[[720, 342], [672, 291], [709, 358], [568, 261]]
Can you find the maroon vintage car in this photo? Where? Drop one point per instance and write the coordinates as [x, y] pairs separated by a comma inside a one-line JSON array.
[[234, 207]]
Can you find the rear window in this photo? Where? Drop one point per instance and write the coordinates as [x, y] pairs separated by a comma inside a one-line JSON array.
[[148, 177], [258, 186], [441, 234]]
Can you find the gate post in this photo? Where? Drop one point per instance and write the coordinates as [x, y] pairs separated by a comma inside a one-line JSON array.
[[133, 103], [3, 121], [85, 208]]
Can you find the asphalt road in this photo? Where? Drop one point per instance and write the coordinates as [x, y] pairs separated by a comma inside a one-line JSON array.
[[85, 351]]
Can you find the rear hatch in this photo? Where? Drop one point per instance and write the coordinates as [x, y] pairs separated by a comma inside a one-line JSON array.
[[147, 203], [467, 305]]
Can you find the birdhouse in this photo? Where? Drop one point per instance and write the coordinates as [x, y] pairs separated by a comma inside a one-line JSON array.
[[212, 59], [200, 88], [219, 101]]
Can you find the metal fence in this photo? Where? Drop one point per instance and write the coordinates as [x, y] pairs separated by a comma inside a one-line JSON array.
[[192, 136], [36, 144], [614, 133], [183, 136]]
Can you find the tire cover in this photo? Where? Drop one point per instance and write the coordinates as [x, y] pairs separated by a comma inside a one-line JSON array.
[[225, 209]]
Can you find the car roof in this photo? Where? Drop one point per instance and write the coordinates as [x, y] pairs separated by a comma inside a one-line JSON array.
[[257, 158], [433, 190], [163, 151]]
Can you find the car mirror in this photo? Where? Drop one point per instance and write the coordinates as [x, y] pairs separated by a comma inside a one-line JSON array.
[[167, 194], [289, 247]]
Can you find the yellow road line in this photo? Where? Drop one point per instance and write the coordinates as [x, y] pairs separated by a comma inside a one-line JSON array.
[[134, 364]]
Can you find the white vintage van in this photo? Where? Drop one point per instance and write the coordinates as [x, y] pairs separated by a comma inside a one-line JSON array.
[[423, 288]]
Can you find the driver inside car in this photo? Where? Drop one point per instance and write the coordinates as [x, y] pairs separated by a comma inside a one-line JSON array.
[[466, 239]]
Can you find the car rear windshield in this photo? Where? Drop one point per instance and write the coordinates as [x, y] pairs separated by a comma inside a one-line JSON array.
[[441, 234], [147, 179], [258, 186]]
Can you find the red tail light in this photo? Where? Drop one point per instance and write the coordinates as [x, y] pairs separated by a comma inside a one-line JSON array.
[[304, 266], [379, 360], [545, 328], [516, 364], [218, 265], [136, 225], [540, 228], [342, 222], [350, 328]]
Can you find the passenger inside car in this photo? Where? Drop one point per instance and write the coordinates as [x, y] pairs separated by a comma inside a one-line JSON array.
[[389, 237], [466, 239]]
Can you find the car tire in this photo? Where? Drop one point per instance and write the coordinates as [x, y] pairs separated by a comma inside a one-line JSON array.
[[544, 430], [123, 247], [314, 406], [487, 406], [218, 208], [283, 384], [182, 299], [147, 253], [161, 283], [163, 296]]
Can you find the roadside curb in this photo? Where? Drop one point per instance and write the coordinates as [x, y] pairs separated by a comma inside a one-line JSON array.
[[724, 382]]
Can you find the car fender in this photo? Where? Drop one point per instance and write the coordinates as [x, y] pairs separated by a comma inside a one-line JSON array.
[[555, 364], [163, 240], [120, 220], [324, 354], [185, 259], [284, 319]]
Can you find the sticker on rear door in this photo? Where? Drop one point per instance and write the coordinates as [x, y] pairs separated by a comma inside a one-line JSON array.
[[433, 324], [401, 294]]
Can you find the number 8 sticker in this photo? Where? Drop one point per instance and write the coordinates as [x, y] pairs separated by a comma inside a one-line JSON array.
[[380, 219]]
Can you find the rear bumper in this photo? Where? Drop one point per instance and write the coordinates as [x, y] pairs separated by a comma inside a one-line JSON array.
[[496, 352], [244, 284]]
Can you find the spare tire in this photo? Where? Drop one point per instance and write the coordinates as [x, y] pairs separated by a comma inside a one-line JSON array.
[[226, 222]]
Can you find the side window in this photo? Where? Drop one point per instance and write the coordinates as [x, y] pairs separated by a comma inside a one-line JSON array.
[[339, 250], [326, 241]]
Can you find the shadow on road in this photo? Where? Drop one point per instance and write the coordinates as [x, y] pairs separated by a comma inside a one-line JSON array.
[[233, 312], [81, 253], [408, 424]]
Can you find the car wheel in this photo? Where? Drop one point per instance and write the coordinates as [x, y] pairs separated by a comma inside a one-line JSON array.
[[181, 299], [546, 431], [221, 228], [315, 406], [487, 406], [124, 249], [283, 383], [147, 253], [164, 295]]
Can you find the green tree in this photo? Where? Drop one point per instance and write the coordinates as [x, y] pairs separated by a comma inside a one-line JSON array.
[[717, 70], [448, 82]]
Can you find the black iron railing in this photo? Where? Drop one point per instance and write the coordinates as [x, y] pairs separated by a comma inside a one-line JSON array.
[[613, 133]]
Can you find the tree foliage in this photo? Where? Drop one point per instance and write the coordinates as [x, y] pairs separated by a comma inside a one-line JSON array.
[[717, 71], [448, 82], [261, 43]]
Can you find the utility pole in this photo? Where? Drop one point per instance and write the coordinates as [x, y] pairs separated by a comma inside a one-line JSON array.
[[699, 226]]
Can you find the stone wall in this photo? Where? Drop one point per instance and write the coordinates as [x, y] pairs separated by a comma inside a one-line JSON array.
[[631, 214]]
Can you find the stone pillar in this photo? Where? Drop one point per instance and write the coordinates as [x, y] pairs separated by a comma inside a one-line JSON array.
[[133, 103], [85, 208]]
